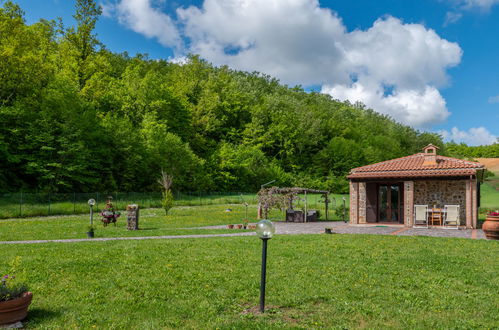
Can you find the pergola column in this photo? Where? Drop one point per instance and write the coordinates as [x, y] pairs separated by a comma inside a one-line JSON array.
[[475, 203], [354, 202], [408, 203], [362, 202], [469, 204]]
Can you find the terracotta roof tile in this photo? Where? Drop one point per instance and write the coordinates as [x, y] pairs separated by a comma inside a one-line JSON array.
[[415, 166]]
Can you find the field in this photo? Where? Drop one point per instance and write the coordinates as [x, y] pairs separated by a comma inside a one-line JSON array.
[[490, 188], [153, 222], [38, 204], [314, 281], [492, 164]]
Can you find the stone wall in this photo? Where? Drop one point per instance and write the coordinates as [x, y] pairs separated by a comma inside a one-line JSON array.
[[354, 202], [408, 203], [362, 202], [442, 192]]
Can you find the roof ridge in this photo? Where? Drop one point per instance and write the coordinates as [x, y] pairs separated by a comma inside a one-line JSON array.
[[426, 169], [462, 160], [388, 161]]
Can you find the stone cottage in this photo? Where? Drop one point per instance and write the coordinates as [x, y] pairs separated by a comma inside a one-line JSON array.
[[386, 192]]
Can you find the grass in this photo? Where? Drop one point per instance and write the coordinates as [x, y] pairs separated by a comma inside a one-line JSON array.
[[489, 193], [152, 222], [314, 281], [35, 205]]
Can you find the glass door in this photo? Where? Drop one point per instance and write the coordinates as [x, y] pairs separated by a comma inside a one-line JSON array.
[[388, 203]]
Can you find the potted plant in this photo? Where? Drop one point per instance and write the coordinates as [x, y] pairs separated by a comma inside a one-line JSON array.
[[491, 225], [14, 298], [230, 226], [90, 231]]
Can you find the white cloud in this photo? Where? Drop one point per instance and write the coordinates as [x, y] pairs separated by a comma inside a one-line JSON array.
[[474, 136], [494, 99], [392, 67], [452, 17], [483, 5], [141, 17], [419, 108]]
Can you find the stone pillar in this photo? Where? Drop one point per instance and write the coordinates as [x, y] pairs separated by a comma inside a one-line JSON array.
[[469, 205], [132, 222], [362, 204], [354, 204], [408, 203], [474, 204]]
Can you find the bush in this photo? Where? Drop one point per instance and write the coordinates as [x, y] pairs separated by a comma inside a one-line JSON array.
[[167, 201]]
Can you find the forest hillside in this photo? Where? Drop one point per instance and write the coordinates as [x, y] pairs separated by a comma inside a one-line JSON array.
[[74, 116]]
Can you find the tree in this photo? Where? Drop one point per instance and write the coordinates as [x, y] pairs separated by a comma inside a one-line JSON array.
[[83, 39]]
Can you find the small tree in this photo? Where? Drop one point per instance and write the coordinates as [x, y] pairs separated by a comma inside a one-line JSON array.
[[166, 182]]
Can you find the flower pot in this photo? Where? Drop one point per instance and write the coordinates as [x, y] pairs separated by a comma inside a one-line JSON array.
[[239, 226], [230, 226], [491, 227], [90, 234], [12, 311]]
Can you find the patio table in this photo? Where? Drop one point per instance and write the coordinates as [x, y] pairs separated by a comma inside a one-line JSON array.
[[436, 215]]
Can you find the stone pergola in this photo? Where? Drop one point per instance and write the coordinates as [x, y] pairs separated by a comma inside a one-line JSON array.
[[386, 192]]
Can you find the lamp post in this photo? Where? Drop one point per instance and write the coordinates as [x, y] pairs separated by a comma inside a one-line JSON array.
[[91, 203], [265, 229]]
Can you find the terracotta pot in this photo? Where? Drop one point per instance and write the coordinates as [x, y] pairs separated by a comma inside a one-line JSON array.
[[15, 310], [239, 226], [230, 226], [491, 227]]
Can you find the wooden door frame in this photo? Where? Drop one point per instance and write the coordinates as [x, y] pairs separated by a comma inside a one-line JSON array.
[[399, 208]]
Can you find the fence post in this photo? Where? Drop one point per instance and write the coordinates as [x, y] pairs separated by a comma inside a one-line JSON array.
[[21, 205]]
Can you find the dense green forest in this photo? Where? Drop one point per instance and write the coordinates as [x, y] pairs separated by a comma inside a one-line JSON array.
[[75, 116]]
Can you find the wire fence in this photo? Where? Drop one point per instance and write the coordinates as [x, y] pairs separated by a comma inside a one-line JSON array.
[[16, 205], [43, 204]]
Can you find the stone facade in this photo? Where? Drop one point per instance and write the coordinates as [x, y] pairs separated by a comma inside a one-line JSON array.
[[443, 192], [362, 202], [408, 202], [354, 204]]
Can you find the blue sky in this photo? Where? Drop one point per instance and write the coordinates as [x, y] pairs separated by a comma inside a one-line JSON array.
[[431, 64]]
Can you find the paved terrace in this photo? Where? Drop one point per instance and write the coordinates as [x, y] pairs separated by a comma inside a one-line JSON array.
[[345, 228], [290, 228]]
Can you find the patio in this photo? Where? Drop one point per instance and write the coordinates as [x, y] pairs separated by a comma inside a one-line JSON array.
[[290, 228]]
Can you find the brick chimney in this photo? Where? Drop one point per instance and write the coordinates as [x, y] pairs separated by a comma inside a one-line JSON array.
[[430, 155]]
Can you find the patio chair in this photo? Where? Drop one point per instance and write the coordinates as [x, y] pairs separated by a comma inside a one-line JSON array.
[[451, 216], [420, 216]]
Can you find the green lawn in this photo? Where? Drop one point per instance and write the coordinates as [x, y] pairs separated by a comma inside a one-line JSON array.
[[314, 281], [152, 222], [490, 193], [34, 205]]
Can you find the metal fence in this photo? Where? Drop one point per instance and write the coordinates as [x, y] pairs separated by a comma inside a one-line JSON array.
[[43, 204], [14, 205]]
